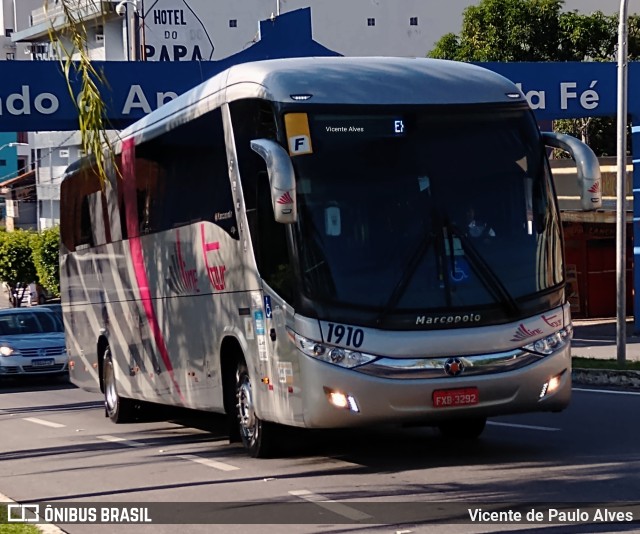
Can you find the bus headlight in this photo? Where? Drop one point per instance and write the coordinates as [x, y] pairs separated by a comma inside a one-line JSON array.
[[550, 344], [330, 354]]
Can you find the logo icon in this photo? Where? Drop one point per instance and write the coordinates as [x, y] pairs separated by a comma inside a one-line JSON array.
[[595, 188], [523, 333], [553, 320], [454, 366], [23, 513], [285, 199]]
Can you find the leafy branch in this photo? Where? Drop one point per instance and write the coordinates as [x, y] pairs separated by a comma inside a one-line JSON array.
[[71, 41]]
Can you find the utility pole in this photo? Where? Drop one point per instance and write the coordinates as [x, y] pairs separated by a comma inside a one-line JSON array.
[[621, 214]]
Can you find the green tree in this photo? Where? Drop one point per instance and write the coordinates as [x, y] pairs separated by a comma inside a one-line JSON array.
[[538, 30], [505, 30], [45, 247], [16, 262], [534, 30]]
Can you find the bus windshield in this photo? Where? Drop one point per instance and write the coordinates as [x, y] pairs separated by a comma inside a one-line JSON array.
[[426, 209]]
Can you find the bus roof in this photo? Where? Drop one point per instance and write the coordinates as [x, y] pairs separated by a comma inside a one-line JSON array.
[[334, 80]]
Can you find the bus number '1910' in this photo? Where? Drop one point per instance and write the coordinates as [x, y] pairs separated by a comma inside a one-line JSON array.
[[337, 332]]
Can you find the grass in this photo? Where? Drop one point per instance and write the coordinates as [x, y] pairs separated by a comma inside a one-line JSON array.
[[596, 363], [14, 528]]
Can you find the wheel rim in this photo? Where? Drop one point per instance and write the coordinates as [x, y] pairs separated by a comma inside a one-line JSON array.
[[246, 412], [110, 394]]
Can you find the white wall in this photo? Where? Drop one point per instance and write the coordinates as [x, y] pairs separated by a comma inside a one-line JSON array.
[[338, 24]]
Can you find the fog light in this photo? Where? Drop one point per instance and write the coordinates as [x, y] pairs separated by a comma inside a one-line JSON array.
[[342, 400], [551, 386], [338, 399]]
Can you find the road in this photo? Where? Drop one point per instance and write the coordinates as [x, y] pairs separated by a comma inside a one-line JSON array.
[[56, 445]]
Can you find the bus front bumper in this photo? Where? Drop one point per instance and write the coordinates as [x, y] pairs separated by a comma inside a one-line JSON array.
[[335, 397]]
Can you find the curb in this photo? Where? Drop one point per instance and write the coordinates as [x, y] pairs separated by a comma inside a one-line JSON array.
[[606, 377], [45, 528]]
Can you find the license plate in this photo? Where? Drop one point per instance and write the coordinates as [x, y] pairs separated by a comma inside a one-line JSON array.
[[43, 362], [444, 398]]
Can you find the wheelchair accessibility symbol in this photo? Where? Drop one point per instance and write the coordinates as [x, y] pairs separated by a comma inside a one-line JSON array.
[[459, 272]]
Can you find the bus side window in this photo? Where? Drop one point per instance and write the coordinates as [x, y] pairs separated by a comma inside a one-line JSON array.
[[150, 183], [272, 255], [82, 210], [254, 119], [182, 178], [85, 235], [121, 205]]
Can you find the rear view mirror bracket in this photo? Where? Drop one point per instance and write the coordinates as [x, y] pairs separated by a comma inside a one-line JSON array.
[[282, 179], [587, 166]]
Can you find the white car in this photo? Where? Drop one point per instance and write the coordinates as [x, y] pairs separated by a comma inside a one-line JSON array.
[[31, 343]]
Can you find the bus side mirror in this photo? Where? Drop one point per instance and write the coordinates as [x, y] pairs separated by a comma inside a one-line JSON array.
[[282, 179], [587, 165]]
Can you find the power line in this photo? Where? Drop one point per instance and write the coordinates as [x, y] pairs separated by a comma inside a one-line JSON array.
[[43, 156]]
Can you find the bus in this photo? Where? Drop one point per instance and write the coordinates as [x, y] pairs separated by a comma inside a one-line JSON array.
[[325, 243]]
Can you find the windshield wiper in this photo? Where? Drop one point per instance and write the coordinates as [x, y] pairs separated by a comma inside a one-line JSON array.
[[407, 276], [484, 271]]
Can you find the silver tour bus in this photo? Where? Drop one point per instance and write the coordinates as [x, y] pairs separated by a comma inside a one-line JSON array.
[[325, 243]]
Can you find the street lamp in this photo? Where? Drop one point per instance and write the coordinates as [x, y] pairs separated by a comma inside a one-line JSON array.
[[12, 145], [621, 213], [134, 42]]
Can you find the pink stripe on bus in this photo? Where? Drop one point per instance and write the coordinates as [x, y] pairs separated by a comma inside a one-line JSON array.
[[137, 256]]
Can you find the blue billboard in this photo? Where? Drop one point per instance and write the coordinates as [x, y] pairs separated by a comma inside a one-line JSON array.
[[34, 95]]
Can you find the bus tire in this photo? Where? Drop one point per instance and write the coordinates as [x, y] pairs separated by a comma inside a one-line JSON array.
[[258, 437], [117, 408], [469, 428]]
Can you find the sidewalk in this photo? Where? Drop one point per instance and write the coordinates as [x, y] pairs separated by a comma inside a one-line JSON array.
[[597, 338]]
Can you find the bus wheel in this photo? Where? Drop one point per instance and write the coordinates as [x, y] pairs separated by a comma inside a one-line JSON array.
[[118, 409], [257, 436], [463, 428]]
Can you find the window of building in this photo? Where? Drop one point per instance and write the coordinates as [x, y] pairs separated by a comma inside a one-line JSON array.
[[8, 32], [3, 162], [371, 22], [233, 23], [413, 21], [11, 56], [64, 153]]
